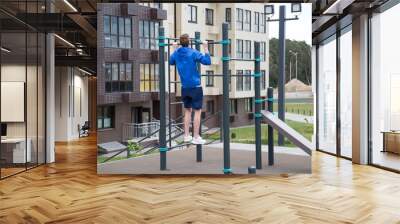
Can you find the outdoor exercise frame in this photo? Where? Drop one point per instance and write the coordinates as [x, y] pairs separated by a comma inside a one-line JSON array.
[[225, 42]]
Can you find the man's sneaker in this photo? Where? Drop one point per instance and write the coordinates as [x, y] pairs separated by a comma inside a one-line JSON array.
[[187, 138], [198, 141]]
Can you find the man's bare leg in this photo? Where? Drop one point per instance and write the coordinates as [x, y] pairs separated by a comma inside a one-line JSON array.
[[196, 123], [187, 119]]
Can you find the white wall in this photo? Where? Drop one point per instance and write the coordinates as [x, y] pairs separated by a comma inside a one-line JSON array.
[[71, 102]]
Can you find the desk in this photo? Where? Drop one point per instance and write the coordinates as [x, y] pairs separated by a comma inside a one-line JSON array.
[[391, 141], [13, 150]]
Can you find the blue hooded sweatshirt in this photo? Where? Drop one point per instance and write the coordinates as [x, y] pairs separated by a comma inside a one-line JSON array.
[[185, 59]]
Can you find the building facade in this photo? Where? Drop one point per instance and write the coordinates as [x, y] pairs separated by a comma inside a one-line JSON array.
[[247, 26], [127, 63]]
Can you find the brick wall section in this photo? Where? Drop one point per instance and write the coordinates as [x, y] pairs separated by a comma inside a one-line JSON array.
[[124, 102]]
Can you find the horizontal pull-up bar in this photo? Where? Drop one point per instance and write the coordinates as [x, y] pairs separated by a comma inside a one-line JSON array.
[[243, 75], [243, 59], [194, 41]]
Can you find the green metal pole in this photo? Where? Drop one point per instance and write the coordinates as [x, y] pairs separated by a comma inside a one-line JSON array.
[[258, 102]]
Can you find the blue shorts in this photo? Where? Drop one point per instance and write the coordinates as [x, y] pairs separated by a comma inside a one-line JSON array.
[[192, 98]]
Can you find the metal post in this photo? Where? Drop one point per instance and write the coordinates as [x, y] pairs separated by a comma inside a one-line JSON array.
[[169, 96], [258, 102], [225, 109], [282, 75], [221, 123], [199, 154], [162, 139], [270, 99], [296, 65]]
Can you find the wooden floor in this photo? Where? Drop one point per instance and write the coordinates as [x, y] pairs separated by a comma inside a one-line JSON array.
[[70, 191]]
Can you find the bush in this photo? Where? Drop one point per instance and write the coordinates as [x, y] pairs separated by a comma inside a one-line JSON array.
[[233, 135], [133, 146]]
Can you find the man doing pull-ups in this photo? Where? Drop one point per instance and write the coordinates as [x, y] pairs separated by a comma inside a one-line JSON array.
[[185, 59]]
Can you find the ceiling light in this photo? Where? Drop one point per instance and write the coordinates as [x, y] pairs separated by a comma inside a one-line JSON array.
[[70, 5], [65, 41], [337, 7], [5, 50], [84, 71]]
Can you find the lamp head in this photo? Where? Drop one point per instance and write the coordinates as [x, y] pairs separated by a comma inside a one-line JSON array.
[[296, 7]]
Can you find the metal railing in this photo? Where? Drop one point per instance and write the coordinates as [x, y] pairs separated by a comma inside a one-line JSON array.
[[145, 130], [138, 130]]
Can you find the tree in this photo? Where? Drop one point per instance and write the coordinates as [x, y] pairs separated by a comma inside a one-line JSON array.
[[303, 57]]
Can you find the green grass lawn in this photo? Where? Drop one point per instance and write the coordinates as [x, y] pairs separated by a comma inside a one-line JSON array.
[[298, 108], [247, 134]]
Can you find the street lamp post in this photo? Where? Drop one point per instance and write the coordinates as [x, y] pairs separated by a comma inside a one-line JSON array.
[[269, 11], [295, 54], [290, 68]]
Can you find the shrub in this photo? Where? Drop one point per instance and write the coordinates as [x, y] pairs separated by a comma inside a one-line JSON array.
[[133, 146]]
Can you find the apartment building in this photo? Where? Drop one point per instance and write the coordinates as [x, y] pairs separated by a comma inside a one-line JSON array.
[[127, 61], [247, 26]]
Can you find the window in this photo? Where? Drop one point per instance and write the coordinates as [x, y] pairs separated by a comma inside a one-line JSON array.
[[118, 77], [259, 22], [209, 17], [239, 19], [247, 21], [239, 80], [385, 85], [262, 51], [228, 16], [230, 80], [192, 14], [114, 31], [107, 31], [152, 5], [247, 49], [256, 27], [210, 107], [211, 47], [210, 78], [262, 23], [148, 34], [230, 48], [105, 117], [247, 80], [149, 78], [345, 83], [239, 48], [263, 80], [248, 105], [233, 104], [327, 95], [117, 32], [157, 5]]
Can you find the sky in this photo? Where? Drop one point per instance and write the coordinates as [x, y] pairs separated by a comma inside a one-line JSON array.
[[295, 29]]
